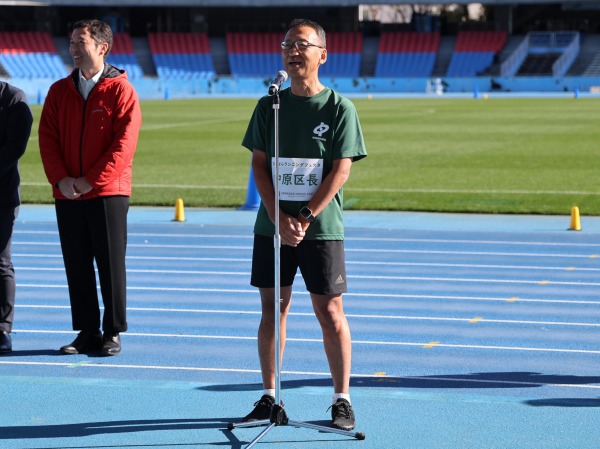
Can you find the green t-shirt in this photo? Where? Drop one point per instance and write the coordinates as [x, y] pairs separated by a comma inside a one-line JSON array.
[[313, 132]]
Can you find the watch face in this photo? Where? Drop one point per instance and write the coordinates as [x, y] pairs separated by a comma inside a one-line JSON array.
[[306, 213]]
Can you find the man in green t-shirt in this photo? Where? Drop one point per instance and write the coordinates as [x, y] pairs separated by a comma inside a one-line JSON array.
[[319, 138]]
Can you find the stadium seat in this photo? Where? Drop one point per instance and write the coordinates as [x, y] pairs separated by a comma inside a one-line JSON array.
[[30, 55], [474, 52], [122, 55], [344, 50], [254, 54], [181, 55], [406, 54]]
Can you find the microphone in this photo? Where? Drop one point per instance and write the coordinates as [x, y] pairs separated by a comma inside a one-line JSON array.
[[276, 84]]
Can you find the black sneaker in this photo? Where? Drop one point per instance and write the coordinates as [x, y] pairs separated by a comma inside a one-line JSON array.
[[342, 415], [262, 409]]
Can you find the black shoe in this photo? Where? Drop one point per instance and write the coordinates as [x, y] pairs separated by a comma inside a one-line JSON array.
[[262, 409], [86, 341], [342, 415], [5, 342], [111, 344]]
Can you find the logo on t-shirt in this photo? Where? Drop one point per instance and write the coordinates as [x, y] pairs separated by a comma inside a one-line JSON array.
[[319, 130]]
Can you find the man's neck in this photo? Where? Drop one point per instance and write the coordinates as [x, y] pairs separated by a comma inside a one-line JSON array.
[[89, 74]]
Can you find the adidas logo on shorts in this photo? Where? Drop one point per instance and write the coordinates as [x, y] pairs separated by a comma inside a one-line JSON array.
[[339, 280]]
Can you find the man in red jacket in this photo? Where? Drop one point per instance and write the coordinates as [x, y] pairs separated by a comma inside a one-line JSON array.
[[88, 134]]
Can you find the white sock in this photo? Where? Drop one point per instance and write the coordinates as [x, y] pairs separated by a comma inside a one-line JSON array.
[[337, 396], [269, 391]]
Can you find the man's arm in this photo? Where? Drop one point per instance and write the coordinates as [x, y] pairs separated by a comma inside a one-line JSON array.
[[332, 183], [18, 128], [127, 121], [290, 229]]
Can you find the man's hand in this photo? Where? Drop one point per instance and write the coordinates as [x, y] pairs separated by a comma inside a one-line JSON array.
[[68, 189], [291, 230], [82, 186]]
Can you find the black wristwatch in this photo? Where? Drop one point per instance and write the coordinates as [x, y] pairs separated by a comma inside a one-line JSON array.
[[307, 214]]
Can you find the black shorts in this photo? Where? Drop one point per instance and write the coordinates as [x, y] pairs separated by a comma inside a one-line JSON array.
[[321, 262]]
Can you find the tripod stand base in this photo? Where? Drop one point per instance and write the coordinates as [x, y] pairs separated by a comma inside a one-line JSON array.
[[279, 418]]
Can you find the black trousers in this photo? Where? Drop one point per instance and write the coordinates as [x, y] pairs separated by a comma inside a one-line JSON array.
[[95, 230], [7, 271]]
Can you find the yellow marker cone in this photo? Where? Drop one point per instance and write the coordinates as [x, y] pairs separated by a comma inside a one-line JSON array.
[[179, 214], [575, 221]]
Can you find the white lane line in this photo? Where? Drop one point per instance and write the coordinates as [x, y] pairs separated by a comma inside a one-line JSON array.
[[348, 239], [359, 295], [383, 378], [354, 342], [467, 265], [311, 314], [348, 249], [348, 262], [356, 276], [389, 264], [469, 253], [470, 280]]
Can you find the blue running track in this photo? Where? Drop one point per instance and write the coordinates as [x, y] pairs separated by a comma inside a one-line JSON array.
[[469, 331]]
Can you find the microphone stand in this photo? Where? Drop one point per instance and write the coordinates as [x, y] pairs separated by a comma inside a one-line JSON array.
[[278, 415]]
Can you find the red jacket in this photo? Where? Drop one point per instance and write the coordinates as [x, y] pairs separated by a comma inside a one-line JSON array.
[[96, 138]]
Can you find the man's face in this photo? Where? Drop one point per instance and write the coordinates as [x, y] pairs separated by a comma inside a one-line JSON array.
[[86, 53], [303, 62]]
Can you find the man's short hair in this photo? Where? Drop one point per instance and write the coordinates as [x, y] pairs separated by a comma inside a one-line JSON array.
[[312, 24], [100, 31]]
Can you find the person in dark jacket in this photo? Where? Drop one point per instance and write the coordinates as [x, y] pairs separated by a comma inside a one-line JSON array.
[[15, 127], [88, 135]]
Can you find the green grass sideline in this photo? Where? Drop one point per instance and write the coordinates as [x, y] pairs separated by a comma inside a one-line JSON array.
[[534, 156]]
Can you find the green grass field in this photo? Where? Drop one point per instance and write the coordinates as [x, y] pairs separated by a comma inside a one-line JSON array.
[[538, 156]]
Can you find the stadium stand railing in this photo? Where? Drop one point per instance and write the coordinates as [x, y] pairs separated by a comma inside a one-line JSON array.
[[122, 55], [181, 55], [30, 55], [538, 49], [474, 52], [406, 54]]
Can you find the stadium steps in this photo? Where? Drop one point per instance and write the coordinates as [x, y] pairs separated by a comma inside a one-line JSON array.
[[62, 48], [218, 49], [369, 56], [143, 55], [593, 68], [588, 60], [443, 56], [512, 42], [538, 64]]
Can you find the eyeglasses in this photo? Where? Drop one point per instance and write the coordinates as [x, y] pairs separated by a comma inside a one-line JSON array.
[[300, 45]]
